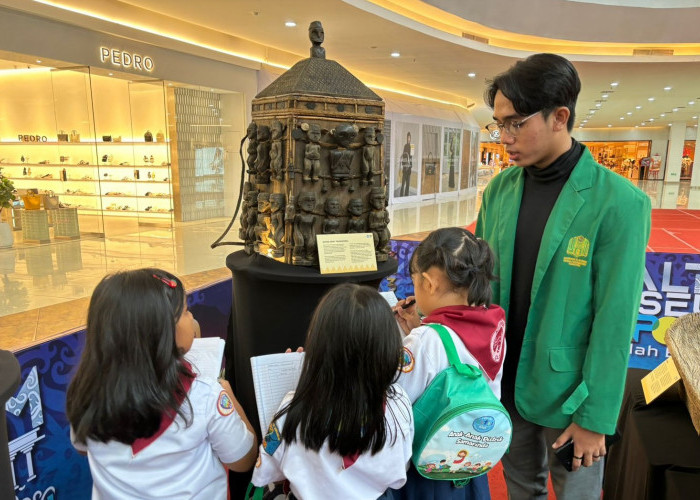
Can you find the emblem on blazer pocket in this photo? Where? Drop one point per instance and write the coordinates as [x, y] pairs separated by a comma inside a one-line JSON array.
[[578, 247]]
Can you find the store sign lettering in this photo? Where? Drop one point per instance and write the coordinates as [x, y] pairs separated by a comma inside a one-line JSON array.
[[32, 138], [127, 60]]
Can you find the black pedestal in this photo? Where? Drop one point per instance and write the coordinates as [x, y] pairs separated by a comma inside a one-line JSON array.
[[272, 307], [9, 367]]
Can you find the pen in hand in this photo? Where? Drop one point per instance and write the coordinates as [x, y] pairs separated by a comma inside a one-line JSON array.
[[406, 305]]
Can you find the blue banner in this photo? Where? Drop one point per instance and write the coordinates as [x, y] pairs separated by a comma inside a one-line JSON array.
[[671, 289]]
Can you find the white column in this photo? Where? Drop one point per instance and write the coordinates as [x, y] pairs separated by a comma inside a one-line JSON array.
[[676, 137], [695, 179]]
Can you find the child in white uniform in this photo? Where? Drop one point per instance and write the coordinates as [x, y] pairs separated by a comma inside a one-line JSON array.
[[150, 427], [451, 271], [347, 430]]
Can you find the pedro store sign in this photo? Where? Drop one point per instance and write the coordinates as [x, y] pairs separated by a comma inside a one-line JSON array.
[[126, 60], [671, 289]]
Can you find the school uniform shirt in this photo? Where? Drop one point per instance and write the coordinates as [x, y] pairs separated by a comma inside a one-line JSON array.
[[480, 342], [324, 474], [182, 462]]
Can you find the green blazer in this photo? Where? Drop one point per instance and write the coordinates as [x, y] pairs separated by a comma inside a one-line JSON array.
[[585, 292]]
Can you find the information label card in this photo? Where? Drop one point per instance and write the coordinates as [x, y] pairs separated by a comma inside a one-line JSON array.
[[661, 378], [346, 253]]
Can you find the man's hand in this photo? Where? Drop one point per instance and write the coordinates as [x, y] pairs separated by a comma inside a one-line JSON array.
[[589, 446]]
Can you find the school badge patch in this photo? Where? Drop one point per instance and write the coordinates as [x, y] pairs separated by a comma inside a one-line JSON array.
[[224, 405], [408, 361], [578, 247], [271, 440]]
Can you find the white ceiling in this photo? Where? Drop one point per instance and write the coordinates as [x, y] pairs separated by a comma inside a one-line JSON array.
[[361, 36]]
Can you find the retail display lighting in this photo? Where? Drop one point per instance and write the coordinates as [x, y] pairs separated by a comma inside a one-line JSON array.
[[609, 125], [675, 109], [629, 113], [604, 96], [622, 118], [396, 54], [471, 75], [662, 115], [667, 88], [651, 99], [637, 107], [290, 24], [695, 118], [614, 84], [597, 105], [691, 102], [651, 119]]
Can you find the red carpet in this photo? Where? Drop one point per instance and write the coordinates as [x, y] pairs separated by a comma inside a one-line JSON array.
[[675, 231], [497, 485]]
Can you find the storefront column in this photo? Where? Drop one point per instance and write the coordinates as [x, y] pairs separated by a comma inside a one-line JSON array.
[[676, 137], [695, 178]]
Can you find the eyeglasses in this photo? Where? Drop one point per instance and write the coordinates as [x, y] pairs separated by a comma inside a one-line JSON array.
[[512, 127]]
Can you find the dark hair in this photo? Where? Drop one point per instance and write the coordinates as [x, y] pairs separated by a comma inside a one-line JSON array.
[[353, 356], [130, 370], [466, 260], [542, 82]]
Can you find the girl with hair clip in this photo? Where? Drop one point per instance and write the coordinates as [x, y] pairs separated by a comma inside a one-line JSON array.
[[452, 272], [150, 427], [347, 430]]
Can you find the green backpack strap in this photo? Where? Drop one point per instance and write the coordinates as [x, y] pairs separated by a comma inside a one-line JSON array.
[[452, 356]]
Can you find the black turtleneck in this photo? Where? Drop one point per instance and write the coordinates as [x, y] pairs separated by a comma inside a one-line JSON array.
[[540, 192]]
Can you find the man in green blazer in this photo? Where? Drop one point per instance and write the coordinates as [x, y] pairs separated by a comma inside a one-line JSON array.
[[570, 238]]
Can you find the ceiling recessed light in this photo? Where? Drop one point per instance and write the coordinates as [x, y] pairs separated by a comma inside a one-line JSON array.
[[396, 54], [637, 107], [609, 125], [629, 113], [111, 74], [651, 119], [662, 115], [38, 61], [675, 109], [650, 99], [604, 96], [471, 75], [691, 102], [170, 84], [622, 118], [644, 123], [667, 88], [669, 124], [597, 105], [614, 84], [290, 24], [695, 117], [593, 111]]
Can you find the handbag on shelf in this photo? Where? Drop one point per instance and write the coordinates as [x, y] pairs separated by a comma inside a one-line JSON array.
[[106, 138], [32, 201], [75, 136], [160, 137], [148, 136], [50, 200], [62, 136], [430, 164]]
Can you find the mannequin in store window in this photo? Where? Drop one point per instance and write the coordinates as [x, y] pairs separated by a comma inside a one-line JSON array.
[[406, 166]]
